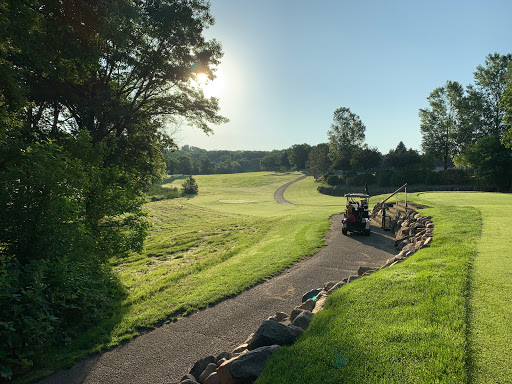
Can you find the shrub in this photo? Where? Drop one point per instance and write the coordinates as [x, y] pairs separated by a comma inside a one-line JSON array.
[[363, 179], [190, 187], [334, 180], [384, 178]]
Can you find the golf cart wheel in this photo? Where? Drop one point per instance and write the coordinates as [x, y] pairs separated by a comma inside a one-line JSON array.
[[367, 232], [344, 231]]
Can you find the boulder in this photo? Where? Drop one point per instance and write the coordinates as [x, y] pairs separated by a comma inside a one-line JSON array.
[[296, 312], [303, 320], [247, 368], [272, 333], [308, 305], [189, 379], [279, 317], [353, 278], [311, 294], [320, 304], [241, 347], [201, 365], [336, 286], [328, 286], [213, 379], [212, 367], [223, 355]]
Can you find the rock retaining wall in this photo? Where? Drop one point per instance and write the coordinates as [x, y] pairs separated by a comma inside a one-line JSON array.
[[246, 362]]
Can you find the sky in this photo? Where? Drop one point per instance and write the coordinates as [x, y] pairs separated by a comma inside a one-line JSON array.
[[288, 65]]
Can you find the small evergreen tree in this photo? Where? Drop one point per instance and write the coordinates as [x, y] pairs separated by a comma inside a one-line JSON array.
[[190, 187]]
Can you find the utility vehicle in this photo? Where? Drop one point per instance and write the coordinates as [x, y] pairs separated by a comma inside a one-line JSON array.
[[357, 217]]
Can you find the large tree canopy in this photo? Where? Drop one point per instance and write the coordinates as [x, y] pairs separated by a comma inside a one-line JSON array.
[[86, 90]]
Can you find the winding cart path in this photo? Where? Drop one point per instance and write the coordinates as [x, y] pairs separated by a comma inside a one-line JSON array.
[[165, 354]]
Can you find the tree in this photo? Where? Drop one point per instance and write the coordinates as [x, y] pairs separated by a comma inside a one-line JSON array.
[[318, 160], [298, 155], [85, 90], [506, 103], [440, 123], [366, 159], [207, 167], [491, 162], [346, 134], [271, 161], [491, 83], [190, 187], [402, 158]]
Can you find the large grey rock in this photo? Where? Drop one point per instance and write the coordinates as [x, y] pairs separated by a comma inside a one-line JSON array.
[[212, 367], [311, 294], [303, 319], [337, 286], [279, 317], [189, 379], [212, 379], [308, 305], [201, 365], [272, 333], [247, 368]]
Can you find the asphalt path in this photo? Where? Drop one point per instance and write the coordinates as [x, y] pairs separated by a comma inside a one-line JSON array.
[[165, 354]]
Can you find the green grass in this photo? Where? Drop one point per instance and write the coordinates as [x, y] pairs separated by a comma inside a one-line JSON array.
[[443, 315], [490, 316]]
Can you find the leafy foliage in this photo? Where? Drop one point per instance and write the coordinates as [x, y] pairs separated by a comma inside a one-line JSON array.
[[85, 90]]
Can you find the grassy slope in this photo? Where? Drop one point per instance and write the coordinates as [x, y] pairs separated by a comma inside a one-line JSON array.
[[203, 249], [490, 317]]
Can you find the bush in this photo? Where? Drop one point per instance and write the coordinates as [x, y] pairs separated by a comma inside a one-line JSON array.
[[334, 180], [157, 192], [53, 282], [384, 178], [190, 187], [363, 179], [454, 177]]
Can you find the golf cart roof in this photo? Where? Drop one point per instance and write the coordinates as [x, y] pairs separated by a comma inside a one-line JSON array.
[[360, 195]]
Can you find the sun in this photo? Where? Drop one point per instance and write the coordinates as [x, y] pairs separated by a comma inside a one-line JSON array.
[[202, 79], [211, 88]]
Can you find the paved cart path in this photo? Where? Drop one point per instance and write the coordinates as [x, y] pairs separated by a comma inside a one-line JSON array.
[[167, 353]]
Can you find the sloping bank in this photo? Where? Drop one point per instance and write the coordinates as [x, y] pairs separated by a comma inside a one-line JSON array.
[[405, 324]]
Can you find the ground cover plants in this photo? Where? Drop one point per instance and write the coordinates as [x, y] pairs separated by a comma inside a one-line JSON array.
[[443, 315]]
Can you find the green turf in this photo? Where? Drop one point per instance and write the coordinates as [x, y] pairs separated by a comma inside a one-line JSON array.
[[490, 316]]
